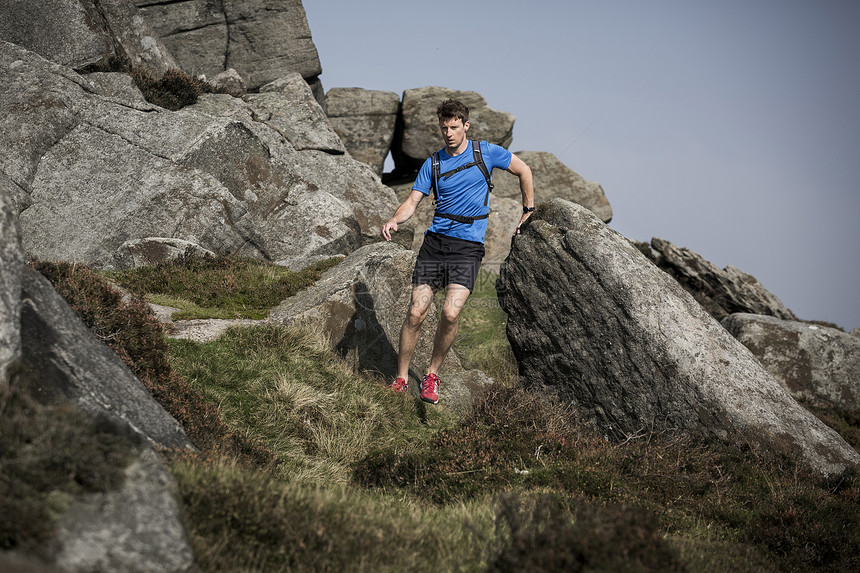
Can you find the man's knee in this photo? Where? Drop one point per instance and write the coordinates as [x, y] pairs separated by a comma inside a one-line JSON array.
[[415, 316]]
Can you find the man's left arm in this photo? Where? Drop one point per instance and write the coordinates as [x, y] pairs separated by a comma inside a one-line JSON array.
[[519, 168]]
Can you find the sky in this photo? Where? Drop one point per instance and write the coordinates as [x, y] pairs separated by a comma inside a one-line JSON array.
[[731, 128]]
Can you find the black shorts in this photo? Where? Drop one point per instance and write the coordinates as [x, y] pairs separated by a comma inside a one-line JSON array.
[[443, 260]]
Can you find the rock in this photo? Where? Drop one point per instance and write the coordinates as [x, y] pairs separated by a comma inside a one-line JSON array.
[[815, 363], [554, 179], [137, 528], [266, 178], [85, 33], [117, 86], [73, 366], [261, 40], [360, 304], [721, 292], [364, 120], [154, 250], [288, 106], [419, 136], [633, 352], [229, 82], [11, 265]]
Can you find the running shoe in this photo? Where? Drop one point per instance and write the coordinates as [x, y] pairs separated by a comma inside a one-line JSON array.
[[399, 385], [430, 388]]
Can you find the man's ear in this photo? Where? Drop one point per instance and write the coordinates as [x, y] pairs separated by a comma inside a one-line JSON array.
[[466, 126]]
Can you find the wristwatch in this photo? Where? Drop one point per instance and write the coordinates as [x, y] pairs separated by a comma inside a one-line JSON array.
[[527, 209]]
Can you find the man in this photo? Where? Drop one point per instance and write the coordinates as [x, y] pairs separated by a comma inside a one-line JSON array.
[[453, 246]]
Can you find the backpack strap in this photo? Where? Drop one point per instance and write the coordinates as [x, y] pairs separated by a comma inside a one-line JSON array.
[[479, 161]]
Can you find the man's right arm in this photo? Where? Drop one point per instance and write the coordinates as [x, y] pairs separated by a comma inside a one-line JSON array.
[[403, 213]]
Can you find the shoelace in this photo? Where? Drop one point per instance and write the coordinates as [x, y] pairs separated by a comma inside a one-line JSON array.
[[431, 383]]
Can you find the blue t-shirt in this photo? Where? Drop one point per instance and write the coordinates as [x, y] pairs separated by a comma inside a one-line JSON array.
[[464, 192]]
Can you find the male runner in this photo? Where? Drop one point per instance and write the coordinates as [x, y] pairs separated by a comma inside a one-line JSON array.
[[453, 246]]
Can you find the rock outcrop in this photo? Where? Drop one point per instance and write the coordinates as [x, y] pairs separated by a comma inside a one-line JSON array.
[[85, 34], [589, 316], [721, 291], [264, 176], [365, 121], [815, 363], [418, 131], [261, 40], [11, 265], [360, 304], [553, 179]]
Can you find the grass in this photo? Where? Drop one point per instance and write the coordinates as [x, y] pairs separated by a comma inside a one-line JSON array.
[[218, 287], [358, 478], [482, 341], [284, 387]]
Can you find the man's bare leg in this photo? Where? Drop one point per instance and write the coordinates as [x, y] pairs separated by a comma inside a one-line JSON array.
[[455, 299], [422, 296]]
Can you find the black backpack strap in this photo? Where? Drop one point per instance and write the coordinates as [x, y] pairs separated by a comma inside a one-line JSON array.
[[462, 218], [479, 161], [434, 179]]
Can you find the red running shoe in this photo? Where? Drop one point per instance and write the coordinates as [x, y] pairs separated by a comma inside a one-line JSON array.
[[430, 389], [399, 385]]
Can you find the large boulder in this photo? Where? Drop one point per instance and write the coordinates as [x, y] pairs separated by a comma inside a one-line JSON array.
[[72, 365], [418, 133], [84, 34], [264, 177], [11, 264], [261, 40], [815, 363], [633, 352], [364, 120], [360, 305], [721, 291], [554, 179]]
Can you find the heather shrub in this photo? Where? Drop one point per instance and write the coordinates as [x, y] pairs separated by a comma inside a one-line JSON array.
[[547, 533], [173, 91], [48, 455]]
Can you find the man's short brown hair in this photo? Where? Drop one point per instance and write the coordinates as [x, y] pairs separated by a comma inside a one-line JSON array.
[[450, 109]]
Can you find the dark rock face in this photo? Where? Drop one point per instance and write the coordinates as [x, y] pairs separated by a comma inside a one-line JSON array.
[[721, 291], [589, 316], [814, 363]]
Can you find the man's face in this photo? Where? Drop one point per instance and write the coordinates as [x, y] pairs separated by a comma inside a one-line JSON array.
[[453, 132]]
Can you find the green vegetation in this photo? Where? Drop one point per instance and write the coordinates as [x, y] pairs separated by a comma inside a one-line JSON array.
[[324, 469], [220, 287]]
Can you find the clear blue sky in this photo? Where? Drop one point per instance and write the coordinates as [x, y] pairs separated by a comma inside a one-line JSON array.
[[731, 128]]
